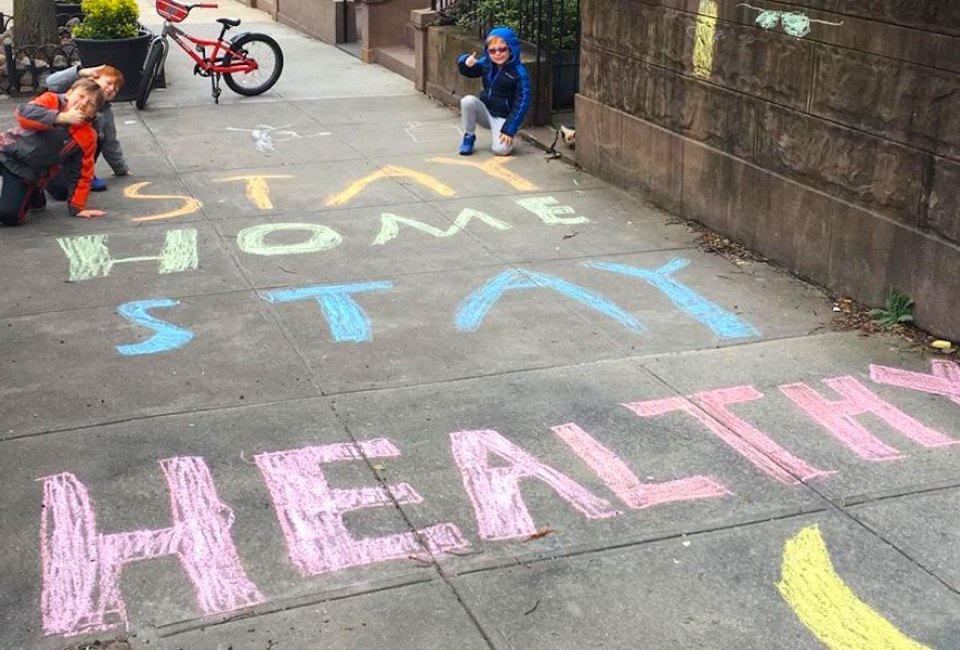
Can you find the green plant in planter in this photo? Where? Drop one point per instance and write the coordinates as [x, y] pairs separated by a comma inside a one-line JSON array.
[[105, 20]]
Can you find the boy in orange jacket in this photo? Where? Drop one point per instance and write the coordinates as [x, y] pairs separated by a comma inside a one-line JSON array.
[[53, 130]]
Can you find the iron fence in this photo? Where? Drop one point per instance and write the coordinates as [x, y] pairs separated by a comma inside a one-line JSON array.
[[29, 65], [550, 27]]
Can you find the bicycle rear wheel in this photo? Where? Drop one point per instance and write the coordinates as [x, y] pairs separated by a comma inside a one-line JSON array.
[[150, 71], [269, 59]]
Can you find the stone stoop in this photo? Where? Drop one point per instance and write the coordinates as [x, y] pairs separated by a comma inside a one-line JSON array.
[[398, 58]]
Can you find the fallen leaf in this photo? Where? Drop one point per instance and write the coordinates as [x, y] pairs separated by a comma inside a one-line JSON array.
[[543, 532]]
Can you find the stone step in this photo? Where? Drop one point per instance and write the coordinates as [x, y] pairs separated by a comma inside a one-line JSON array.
[[398, 58]]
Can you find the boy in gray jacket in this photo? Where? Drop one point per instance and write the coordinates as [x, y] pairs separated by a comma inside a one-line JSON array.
[[110, 81]]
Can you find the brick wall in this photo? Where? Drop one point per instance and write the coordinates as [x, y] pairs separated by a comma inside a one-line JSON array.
[[836, 154]]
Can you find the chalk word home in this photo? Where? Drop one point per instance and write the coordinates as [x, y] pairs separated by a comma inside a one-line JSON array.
[[90, 257]]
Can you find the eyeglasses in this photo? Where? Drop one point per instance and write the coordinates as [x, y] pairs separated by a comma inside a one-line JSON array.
[[498, 50]]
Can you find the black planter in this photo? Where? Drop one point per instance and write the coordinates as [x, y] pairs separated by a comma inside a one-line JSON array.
[[126, 54]]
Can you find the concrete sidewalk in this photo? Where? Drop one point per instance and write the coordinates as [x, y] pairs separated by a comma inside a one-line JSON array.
[[317, 381]]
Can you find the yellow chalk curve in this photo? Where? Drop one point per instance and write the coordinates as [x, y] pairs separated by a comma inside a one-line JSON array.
[[827, 606]]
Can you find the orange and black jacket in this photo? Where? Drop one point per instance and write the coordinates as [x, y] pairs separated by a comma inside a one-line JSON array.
[[36, 147]]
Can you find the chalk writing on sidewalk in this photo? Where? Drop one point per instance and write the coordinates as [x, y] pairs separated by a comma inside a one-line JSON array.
[[266, 137], [89, 257], [166, 336], [81, 566], [826, 605], [258, 190], [190, 204], [349, 322], [435, 185]]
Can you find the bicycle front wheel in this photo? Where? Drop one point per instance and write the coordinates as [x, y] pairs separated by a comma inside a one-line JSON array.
[[150, 71], [268, 56]]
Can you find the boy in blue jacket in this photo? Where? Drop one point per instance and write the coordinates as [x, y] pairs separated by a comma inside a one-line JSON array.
[[505, 99]]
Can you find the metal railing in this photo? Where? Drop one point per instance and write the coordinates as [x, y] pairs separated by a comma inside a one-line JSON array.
[[551, 27], [29, 65]]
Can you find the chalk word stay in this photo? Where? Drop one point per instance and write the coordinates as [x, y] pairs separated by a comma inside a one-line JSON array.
[[347, 321]]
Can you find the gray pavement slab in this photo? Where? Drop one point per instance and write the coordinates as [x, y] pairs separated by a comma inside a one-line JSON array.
[[813, 361], [716, 590], [127, 492], [237, 355], [141, 153], [586, 223], [648, 378], [106, 269], [343, 76], [389, 138], [523, 408], [733, 305], [193, 120], [417, 314], [906, 522], [347, 248], [254, 146], [415, 616], [465, 174], [374, 110], [308, 188]]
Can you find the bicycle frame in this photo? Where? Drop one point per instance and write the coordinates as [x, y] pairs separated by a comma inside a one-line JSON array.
[[211, 64]]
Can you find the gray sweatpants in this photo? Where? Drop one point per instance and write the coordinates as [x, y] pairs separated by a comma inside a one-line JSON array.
[[475, 111]]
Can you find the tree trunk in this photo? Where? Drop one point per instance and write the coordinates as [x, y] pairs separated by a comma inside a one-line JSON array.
[[35, 22]]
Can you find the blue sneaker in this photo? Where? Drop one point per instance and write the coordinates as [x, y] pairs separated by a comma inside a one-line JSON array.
[[98, 185], [466, 147]]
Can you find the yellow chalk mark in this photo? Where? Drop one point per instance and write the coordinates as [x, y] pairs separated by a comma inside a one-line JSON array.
[[827, 606], [389, 171], [496, 168], [258, 190], [705, 43], [190, 204]]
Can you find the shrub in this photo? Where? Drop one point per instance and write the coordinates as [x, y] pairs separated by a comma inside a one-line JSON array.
[[526, 17], [105, 20]]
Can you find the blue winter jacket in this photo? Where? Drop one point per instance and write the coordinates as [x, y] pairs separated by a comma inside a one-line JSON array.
[[506, 88]]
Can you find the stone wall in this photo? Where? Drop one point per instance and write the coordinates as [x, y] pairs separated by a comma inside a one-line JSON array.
[[835, 153]]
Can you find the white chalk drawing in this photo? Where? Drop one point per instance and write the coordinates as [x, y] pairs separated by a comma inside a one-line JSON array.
[[795, 23], [266, 137], [423, 132]]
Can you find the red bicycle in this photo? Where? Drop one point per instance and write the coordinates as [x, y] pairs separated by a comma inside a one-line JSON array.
[[249, 62]]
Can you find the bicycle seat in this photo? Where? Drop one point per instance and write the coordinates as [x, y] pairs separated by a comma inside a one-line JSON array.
[[228, 22]]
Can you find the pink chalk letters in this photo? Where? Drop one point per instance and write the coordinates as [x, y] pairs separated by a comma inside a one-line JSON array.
[[617, 476], [495, 491], [311, 512], [837, 418], [710, 409], [81, 566]]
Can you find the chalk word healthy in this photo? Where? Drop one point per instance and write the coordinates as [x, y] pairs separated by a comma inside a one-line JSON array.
[[81, 566]]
